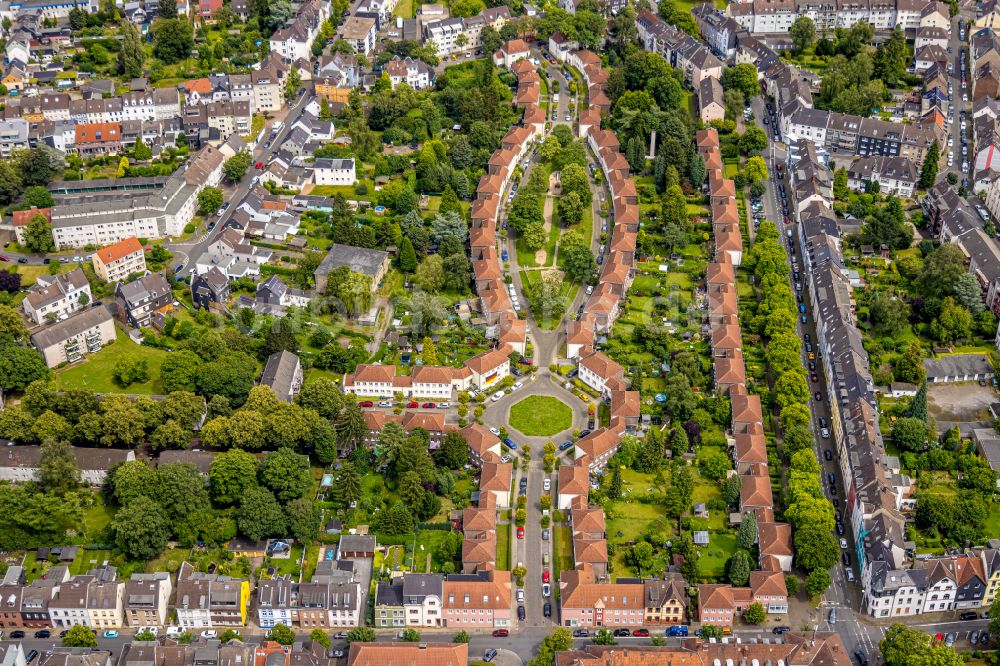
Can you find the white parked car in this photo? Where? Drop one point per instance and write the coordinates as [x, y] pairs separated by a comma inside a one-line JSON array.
[[546, 590], [444, 405], [518, 385], [385, 403], [174, 631], [495, 431], [497, 396], [590, 289], [547, 484], [843, 543], [210, 633]]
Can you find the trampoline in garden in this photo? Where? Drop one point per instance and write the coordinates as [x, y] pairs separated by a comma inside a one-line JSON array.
[[660, 397]]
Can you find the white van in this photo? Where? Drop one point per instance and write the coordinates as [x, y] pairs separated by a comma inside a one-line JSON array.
[[497, 396]]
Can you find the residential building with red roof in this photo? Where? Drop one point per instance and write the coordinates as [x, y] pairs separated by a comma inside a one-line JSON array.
[[118, 261], [495, 479], [478, 601], [408, 654], [597, 370], [574, 482], [587, 603], [484, 446]]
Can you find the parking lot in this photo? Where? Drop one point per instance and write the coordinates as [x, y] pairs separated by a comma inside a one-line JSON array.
[[967, 401]]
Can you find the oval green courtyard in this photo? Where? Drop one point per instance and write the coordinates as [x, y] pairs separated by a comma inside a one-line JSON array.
[[541, 416]]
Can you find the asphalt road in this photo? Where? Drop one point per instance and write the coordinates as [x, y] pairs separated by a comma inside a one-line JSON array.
[[193, 250]]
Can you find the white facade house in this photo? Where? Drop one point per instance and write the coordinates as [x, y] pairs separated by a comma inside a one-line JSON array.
[[56, 297], [333, 171]]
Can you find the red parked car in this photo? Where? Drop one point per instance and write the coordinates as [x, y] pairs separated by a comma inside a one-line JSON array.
[[641, 632], [501, 633], [412, 404], [259, 165], [545, 576], [366, 403], [520, 532], [429, 405]]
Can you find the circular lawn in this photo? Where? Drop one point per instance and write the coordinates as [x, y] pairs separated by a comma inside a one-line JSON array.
[[541, 416]]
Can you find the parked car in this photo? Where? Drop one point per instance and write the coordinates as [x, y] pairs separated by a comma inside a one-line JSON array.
[[31, 656], [520, 613], [846, 557], [546, 590], [827, 454], [366, 403], [547, 484], [545, 534], [17, 634], [547, 609], [501, 633], [641, 632], [780, 629], [621, 633], [43, 633], [385, 403], [580, 633], [111, 633], [490, 655], [520, 531], [429, 405], [968, 615], [677, 630], [861, 657], [546, 577], [210, 633]]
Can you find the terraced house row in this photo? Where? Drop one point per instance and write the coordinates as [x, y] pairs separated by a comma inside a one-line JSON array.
[[721, 604]]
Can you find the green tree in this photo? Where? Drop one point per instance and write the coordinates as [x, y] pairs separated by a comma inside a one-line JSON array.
[[360, 635], [231, 475], [209, 200], [236, 166], [755, 170], [131, 57], [909, 434], [742, 77], [303, 517], [407, 256], [817, 582], [318, 635], [129, 369], [803, 33], [38, 234], [430, 273], [20, 366], [917, 408], [747, 534], [79, 636], [260, 515], [929, 168], [57, 469], [739, 568], [410, 635], [753, 141], [179, 371], [755, 614], [286, 473], [173, 40], [570, 209], [140, 529], [282, 634], [969, 294], [461, 637], [292, 83], [604, 637]]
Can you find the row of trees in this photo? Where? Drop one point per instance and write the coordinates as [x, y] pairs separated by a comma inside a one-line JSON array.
[[808, 510]]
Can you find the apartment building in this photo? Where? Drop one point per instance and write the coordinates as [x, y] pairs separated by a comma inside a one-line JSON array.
[[359, 32], [414, 73], [332, 171], [210, 600], [145, 599], [477, 601], [116, 262], [139, 300], [411, 600], [95, 215], [55, 297]]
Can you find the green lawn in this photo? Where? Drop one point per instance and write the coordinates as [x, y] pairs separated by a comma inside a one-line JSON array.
[[541, 416], [503, 547], [404, 9], [96, 372], [631, 520], [563, 550], [426, 546], [96, 518], [715, 555]]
